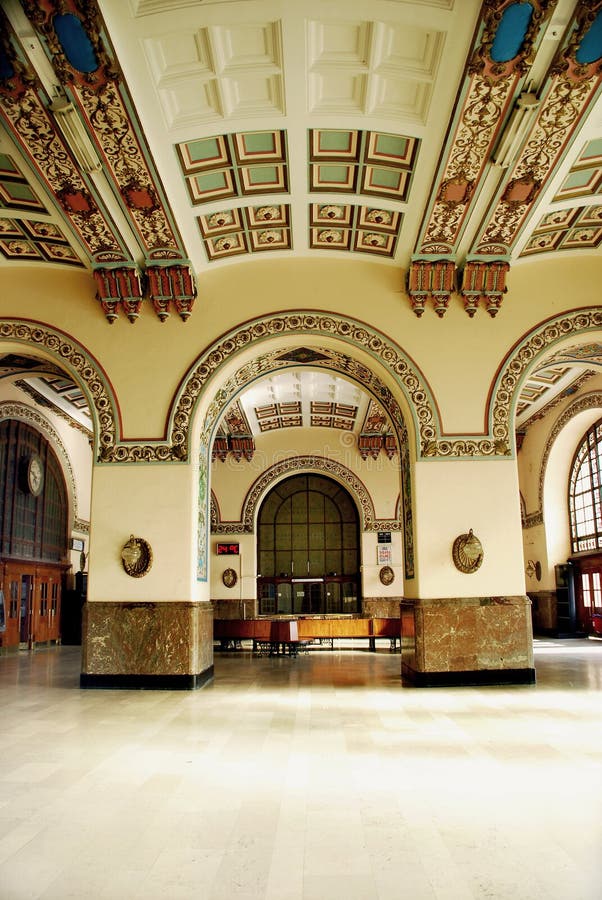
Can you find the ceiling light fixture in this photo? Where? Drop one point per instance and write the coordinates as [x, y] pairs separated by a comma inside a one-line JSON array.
[[516, 130], [74, 132]]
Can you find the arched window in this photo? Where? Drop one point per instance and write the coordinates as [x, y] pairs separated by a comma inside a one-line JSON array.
[[585, 489], [308, 548]]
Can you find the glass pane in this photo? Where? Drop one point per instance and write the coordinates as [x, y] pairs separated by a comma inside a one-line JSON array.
[[299, 507], [316, 507], [334, 562], [283, 537], [316, 537], [266, 564], [299, 537], [284, 606], [266, 537], [317, 563], [283, 564]]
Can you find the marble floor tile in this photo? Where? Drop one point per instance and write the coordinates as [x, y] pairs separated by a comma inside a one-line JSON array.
[[314, 778]]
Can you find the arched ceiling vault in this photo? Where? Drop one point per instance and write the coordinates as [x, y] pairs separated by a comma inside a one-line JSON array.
[[152, 141]]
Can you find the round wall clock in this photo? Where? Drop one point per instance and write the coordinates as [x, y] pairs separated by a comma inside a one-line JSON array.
[[34, 475]]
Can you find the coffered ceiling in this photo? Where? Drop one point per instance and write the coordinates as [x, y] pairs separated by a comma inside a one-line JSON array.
[[218, 131], [150, 141]]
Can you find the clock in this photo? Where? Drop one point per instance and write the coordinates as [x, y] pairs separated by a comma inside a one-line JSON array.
[[34, 474]]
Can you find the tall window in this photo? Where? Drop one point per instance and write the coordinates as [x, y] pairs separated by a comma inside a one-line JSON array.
[[308, 548], [32, 526], [585, 489]]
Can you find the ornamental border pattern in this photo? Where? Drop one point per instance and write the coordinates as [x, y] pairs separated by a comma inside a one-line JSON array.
[[12, 409], [81, 363], [586, 401], [431, 446], [521, 359], [351, 331]]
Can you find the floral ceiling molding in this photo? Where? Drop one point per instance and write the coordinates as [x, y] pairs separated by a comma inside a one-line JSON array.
[[495, 78], [90, 85], [430, 443], [567, 229]]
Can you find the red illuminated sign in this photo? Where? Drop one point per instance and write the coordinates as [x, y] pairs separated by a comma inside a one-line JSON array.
[[227, 549]]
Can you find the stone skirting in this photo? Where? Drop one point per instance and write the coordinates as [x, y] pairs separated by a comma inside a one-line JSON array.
[[381, 607], [467, 640], [147, 645], [234, 609], [545, 612]]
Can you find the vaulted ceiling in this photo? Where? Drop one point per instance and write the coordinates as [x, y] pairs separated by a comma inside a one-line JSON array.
[[149, 141]]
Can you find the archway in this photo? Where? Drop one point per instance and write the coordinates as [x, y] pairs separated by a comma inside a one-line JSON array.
[[308, 549]]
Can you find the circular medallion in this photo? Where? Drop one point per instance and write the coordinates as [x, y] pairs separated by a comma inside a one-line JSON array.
[[467, 553], [136, 557], [387, 575], [229, 577], [33, 475]]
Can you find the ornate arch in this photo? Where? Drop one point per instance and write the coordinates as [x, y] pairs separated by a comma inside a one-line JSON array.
[[586, 401], [293, 464], [13, 410], [84, 368], [519, 362]]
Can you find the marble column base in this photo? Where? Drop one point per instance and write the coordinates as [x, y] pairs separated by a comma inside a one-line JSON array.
[[147, 645], [467, 641]]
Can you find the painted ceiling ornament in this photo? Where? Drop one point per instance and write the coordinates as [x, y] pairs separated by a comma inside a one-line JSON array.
[[220, 219], [467, 553], [505, 38], [379, 217], [267, 213], [434, 280], [72, 32], [328, 236], [332, 212], [375, 240], [270, 237], [573, 81]]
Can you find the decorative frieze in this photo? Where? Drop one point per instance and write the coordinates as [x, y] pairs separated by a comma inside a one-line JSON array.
[[484, 282], [431, 280]]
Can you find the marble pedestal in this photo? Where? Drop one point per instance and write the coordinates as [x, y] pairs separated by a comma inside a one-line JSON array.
[[467, 641], [147, 645]]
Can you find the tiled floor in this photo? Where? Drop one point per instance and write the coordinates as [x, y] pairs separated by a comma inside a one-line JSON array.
[[319, 777]]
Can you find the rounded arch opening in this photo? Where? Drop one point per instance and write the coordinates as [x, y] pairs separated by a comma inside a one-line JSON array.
[[308, 548]]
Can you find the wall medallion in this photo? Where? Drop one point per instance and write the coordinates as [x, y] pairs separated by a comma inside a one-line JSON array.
[[386, 575], [137, 557], [229, 578], [467, 553]]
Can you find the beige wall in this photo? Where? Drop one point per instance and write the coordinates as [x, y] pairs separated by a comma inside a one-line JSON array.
[[457, 357]]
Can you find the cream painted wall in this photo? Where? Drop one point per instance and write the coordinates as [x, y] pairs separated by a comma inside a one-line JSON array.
[[153, 502], [451, 498], [231, 481], [550, 543], [145, 362]]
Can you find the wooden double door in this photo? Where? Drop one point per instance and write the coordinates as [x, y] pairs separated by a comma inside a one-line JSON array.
[[31, 601]]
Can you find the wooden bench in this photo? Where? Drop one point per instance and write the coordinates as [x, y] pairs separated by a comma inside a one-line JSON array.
[[261, 631]]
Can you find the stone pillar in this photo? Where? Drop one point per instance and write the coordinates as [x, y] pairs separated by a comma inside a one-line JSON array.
[[154, 630], [467, 640], [467, 627]]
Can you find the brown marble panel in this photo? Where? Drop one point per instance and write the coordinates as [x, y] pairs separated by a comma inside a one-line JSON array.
[[381, 607], [467, 635], [545, 612], [153, 639]]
